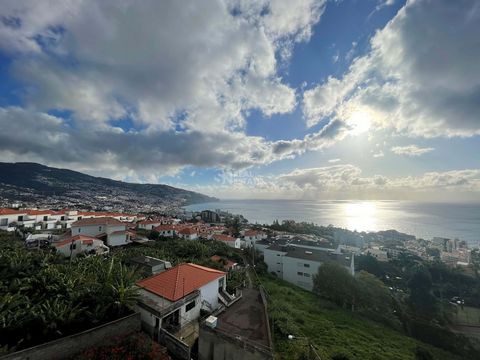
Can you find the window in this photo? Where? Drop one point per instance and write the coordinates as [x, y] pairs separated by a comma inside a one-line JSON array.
[[73, 246], [278, 263], [20, 218], [299, 273], [79, 229], [45, 218], [306, 274], [306, 265], [62, 218], [190, 306], [99, 228]]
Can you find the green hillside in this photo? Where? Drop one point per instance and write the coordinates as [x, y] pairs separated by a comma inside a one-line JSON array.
[[334, 332]]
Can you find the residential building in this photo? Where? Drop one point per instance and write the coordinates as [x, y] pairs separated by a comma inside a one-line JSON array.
[[210, 216], [170, 303], [112, 231], [148, 224], [227, 264], [166, 230], [9, 218], [298, 265], [80, 244], [149, 265], [188, 233], [227, 239], [252, 236]]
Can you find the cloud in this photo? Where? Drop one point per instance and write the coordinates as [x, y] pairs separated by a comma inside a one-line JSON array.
[[411, 150], [332, 161], [420, 77], [184, 74], [121, 154], [347, 182], [379, 154]]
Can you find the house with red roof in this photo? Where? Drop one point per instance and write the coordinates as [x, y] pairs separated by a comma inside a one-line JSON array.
[[250, 237], [10, 217], [227, 239], [188, 233], [112, 231], [80, 244], [166, 230], [170, 302]]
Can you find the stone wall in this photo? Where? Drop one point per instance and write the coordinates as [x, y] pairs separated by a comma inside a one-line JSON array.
[[67, 346]]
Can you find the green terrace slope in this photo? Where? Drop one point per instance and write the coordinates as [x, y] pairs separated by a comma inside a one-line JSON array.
[[336, 333]]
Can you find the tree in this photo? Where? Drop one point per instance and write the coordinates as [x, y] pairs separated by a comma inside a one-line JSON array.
[[334, 282], [421, 299]]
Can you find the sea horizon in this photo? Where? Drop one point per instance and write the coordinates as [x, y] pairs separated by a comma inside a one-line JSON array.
[[424, 219]]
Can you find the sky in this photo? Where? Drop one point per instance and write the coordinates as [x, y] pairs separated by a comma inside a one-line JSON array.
[[305, 99]]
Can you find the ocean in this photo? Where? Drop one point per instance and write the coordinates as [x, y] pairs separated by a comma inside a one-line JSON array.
[[424, 220]]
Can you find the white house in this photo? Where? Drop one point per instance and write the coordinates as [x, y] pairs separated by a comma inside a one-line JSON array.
[[113, 231], [227, 239], [188, 233], [298, 265], [9, 217], [80, 244], [173, 298], [149, 224], [252, 236], [166, 230]]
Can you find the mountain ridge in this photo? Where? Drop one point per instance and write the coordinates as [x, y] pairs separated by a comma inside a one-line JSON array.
[[30, 182]]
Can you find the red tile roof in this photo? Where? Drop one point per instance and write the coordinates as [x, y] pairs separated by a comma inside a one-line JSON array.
[[98, 221], [187, 231], [84, 238], [222, 237], [146, 222], [165, 228], [180, 281], [39, 212], [4, 211]]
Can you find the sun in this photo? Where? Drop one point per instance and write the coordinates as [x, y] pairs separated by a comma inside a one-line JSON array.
[[359, 122]]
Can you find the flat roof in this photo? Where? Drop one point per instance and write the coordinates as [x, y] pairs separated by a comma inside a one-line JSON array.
[[146, 260], [246, 319], [312, 254]]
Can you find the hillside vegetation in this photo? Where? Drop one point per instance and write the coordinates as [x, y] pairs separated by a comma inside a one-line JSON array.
[[335, 333]]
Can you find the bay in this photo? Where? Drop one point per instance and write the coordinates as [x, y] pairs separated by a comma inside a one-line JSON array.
[[422, 219]]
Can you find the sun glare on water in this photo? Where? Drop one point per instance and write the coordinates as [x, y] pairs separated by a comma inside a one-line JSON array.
[[361, 216], [360, 121]]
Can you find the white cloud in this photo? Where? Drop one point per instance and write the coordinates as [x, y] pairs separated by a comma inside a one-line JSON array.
[[332, 161], [166, 65], [420, 77], [411, 150]]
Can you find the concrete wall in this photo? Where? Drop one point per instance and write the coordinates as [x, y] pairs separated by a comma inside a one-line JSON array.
[[117, 239], [214, 346], [300, 272], [70, 345], [274, 261], [209, 293]]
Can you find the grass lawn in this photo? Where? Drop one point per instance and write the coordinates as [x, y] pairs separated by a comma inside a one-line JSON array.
[[333, 331]]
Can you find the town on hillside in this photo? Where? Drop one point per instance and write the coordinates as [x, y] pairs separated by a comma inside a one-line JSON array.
[[198, 285]]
